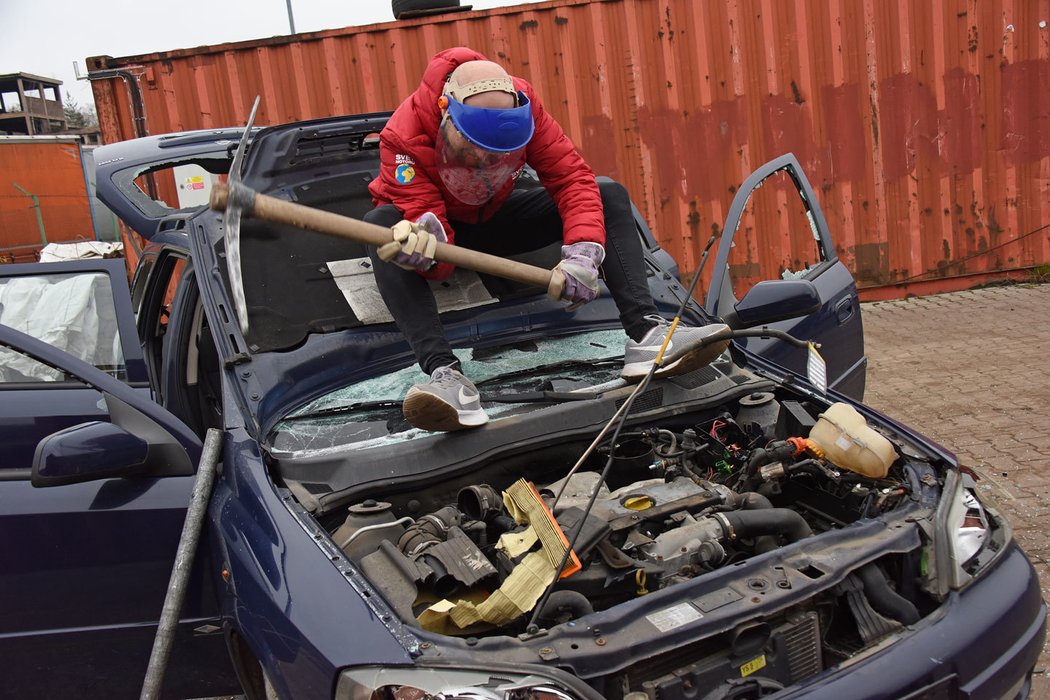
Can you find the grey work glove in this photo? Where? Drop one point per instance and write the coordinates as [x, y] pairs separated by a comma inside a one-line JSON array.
[[579, 263], [418, 242]]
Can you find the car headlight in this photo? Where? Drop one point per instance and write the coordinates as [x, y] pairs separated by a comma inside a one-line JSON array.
[[423, 683], [969, 536]]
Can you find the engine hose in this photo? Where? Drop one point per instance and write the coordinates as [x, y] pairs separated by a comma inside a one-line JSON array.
[[913, 482], [766, 521], [806, 466], [443, 583], [429, 530], [503, 523], [884, 599], [750, 501], [756, 501], [773, 452], [480, 502], [564, 605]]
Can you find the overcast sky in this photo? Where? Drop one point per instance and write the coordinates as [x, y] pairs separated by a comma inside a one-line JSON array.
[[45, 37]]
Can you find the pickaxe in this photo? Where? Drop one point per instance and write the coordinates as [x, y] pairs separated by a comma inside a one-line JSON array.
[[238, 200]]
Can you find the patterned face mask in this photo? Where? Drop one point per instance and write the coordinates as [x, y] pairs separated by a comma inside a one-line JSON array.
[[471, 173]]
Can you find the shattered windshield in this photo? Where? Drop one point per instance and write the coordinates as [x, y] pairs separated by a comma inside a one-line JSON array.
[[512, 378]]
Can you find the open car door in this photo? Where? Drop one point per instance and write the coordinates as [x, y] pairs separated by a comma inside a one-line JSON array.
[[95, 479], [807, 292]]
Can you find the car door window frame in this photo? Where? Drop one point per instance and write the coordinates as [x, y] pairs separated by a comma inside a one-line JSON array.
[[724, 294]]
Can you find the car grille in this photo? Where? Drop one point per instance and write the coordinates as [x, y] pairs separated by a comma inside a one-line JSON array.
[[654, 398], [697, 378]]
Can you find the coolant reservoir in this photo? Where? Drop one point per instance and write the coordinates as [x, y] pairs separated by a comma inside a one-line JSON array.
[[850, 444]]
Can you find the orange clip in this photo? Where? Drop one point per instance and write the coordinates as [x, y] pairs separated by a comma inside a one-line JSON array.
[[443, 102], [799, 444]]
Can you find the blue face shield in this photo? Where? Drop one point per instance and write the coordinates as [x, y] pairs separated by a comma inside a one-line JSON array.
[[479, 149], [499, 130]]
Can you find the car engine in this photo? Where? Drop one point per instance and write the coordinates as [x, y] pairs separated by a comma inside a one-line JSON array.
[[676, 501]]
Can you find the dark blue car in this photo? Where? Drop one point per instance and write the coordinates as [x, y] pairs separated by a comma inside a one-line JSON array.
[[742, 544]]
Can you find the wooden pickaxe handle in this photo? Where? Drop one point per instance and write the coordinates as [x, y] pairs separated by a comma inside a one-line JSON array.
[[266, 208]]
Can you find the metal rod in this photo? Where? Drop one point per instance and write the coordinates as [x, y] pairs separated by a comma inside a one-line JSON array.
[[39, 217], [180, 573]]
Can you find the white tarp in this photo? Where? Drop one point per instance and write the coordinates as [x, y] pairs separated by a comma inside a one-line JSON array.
[[73, 312], [82, 250]]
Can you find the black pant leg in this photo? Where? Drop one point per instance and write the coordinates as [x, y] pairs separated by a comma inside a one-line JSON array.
[[410, 301], [624, 266], [530, 220], [527, 221]]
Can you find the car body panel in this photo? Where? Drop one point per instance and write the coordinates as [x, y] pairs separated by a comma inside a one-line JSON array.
[[974, 664], [122, 163], [277, 578]]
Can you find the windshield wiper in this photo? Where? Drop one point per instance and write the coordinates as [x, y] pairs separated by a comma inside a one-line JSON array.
[[540, 395], [348, 408], [553, 367], [545, 395]]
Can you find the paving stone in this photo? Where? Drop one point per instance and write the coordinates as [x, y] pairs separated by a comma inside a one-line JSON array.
[[969, 369]]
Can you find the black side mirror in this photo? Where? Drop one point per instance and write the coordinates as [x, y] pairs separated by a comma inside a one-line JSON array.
[[774, 300]]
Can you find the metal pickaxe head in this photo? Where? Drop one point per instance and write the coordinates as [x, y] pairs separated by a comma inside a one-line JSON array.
[[232, 224]]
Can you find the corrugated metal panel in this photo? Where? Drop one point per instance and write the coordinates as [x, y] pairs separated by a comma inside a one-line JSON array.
[[50, 169], [923, 125]]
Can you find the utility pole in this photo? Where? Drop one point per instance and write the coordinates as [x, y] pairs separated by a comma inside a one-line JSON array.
[[291, 19]]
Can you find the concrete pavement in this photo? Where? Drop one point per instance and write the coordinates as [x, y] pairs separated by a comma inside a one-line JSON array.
[[972, 371]]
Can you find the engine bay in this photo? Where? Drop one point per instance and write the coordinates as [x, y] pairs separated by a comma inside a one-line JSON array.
[[681, 497]]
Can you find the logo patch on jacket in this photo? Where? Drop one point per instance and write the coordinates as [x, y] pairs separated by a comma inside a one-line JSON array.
[[405, 173]]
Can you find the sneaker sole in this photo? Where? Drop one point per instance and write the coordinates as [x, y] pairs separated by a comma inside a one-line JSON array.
[[426, 411], [688, 362]]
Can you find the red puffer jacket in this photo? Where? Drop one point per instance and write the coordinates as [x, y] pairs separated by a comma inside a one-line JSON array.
[[408, 179]]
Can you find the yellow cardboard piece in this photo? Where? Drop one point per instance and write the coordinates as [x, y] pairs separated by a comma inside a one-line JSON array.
[[517, 543], [523, 588], [525, 502], [514, 598], [436, 617]]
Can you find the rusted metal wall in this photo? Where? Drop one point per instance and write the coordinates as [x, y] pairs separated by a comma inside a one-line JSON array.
[[51, 169], [924, 125]]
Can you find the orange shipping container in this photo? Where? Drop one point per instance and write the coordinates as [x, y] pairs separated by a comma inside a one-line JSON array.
[[43, 195], [924, 126]]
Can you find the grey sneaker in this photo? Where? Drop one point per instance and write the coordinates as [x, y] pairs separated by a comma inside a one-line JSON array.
[[682, 354], [449, 401]]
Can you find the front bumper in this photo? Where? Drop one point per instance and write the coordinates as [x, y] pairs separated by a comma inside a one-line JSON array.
[[982, 643]]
